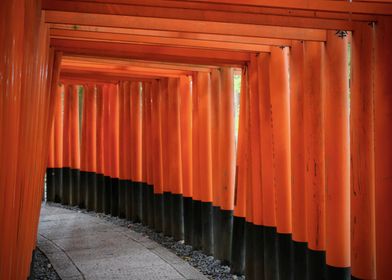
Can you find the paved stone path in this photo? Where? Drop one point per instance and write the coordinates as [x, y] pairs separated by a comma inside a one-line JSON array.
[[80, 246]]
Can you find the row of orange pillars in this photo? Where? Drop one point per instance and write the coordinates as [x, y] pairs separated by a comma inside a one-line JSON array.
[[277, 204]]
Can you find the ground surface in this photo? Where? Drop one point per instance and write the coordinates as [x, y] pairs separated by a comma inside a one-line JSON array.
[[82, 246], [41, 268]]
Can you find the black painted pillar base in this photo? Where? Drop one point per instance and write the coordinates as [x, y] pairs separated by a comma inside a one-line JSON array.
[[107, 195], [187, 201], [150, 206], [316, 265], [249, 251], [137, 202], [238, 246], [217, 234], [226, 226], [83, 189], [121, 199], [270, 253], [158, 212], [300, 262], [91, 191], [50, 182], [177, 217], [207, 228], [100, 186], [285, 254], [196, 224], [144, 204], [258, 252], [114, 197], [75, 179], [67, 186], [341, 273], [58, 184], [167, 213], [128, 200]]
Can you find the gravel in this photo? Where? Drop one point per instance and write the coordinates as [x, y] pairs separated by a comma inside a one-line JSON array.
[[208, 265], [41, 268]]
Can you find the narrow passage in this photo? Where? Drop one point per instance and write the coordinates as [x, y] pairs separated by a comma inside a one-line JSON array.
[[82, 246]]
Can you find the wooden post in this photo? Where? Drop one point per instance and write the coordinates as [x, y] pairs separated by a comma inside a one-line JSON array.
[[337, 157], [363, 243]]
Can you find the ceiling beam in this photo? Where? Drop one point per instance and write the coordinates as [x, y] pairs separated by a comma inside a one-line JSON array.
[[209, 27], [177, 35], [152, 53], [137, 39], [302, 20]]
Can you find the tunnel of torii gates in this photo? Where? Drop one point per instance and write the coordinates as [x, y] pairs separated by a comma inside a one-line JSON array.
[[128, 108]]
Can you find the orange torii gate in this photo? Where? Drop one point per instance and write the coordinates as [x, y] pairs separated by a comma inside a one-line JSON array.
[[304, 192]]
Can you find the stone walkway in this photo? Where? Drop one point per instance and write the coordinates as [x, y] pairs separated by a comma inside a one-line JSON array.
[[80, 246]]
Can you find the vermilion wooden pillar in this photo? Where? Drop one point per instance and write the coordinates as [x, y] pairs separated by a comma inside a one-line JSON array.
[[254, 261], [58, 143], [175, 165], [91, 147], [158, 159], [314, 157], [107, 190], [67, 182], [337, 157], [186, 152], [145, 128], [363, 243], [267, 178], [136, 129], [196, 194], [114, 100], [241, 181], [216, 166], [100, 149], [227, 159], [298, 159], [205, 157], [383, 148]]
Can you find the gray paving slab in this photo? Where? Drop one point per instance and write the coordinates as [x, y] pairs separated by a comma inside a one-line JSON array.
[[81, 246]]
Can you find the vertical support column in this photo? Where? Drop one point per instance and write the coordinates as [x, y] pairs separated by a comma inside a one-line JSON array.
[[254, 262], [91, 147], [150, 156], [83, 148], [196, 195], [363, 243], [166, 155], [158, 160], [66, 195], [314, 157], [136, 117], [122, 155], [100, 150], [186, 152], [298, 159], [126, 164], [75, 145], [227, 159], [145, 147], [107, 190], [205, 157], [50, 183], [337, 158], [280, 101], [114, 100], [58, 144], [267, 179], [216, 165], [383, 148], [175, 166], [241, 181]]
